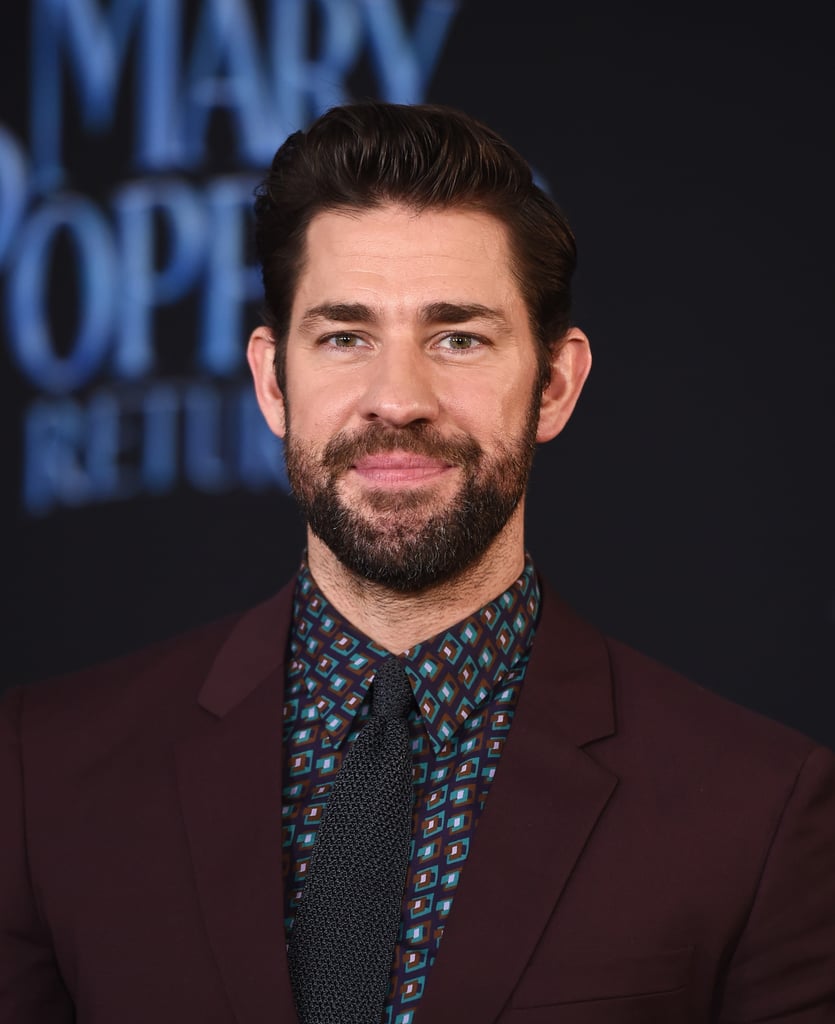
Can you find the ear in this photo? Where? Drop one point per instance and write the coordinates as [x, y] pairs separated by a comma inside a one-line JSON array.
[[570, 366], [260, 354]]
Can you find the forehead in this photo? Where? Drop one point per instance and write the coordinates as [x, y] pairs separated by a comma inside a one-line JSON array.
[[394, 255]]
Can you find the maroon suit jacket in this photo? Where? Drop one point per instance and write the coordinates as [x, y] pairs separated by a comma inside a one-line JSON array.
[[649, 851]]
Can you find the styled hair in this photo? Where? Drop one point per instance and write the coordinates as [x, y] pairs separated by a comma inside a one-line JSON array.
[[364, 155]]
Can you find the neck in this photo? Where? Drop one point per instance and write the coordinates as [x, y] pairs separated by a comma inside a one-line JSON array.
[[397, 621]]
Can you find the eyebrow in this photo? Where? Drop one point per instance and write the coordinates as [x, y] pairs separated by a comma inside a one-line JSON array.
[[432, 313], [338, 312], [461, 312]]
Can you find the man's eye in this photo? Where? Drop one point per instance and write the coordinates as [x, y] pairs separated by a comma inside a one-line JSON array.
[[459, 342], [343, 340]]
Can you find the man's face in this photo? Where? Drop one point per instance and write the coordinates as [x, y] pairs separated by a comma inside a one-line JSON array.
[[411, 405]]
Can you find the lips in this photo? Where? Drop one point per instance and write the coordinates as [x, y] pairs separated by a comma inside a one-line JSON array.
[[417, 452], [399, 468]]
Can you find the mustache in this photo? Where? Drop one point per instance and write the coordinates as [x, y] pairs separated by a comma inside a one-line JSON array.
[[344, 449]]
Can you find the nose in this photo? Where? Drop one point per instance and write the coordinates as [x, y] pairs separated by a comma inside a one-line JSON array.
[[400, 386]]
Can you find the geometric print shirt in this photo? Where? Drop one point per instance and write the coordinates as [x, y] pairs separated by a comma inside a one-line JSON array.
[[466, 682]]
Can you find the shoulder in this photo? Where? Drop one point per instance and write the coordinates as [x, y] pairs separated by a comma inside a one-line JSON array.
[[661, 706], [665, 725], [155, 689], [182, 655]]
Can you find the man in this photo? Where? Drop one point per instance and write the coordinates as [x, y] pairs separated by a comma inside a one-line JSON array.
[[413, 785]]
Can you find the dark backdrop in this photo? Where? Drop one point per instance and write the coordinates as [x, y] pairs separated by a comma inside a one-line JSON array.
[[687, 507]]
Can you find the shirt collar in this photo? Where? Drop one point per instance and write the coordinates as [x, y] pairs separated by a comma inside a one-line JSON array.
[[452, 673]]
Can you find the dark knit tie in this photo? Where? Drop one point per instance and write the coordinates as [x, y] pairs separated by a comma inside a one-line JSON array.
[[342, 943]]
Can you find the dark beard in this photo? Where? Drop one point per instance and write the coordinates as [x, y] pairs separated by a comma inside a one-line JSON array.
[[401, 546]]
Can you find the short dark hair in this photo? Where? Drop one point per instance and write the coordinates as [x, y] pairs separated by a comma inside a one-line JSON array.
[[363, 155]]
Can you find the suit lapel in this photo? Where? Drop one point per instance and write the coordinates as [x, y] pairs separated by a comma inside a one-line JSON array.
[[544, 803], [230, 779]]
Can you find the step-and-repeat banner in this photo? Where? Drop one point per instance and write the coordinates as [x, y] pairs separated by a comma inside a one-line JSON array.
[[686, 509]]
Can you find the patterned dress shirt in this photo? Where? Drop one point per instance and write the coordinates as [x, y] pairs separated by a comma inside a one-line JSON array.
[[466, 682]]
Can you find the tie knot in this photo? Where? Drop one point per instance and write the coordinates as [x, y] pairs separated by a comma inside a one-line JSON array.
[[391, 694]]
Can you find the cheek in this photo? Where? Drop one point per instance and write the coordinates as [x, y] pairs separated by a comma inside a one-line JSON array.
[[495, 411], [317, 405], [322, 417]]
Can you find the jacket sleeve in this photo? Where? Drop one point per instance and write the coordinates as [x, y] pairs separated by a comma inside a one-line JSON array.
[[783, 967], [31, 989]]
